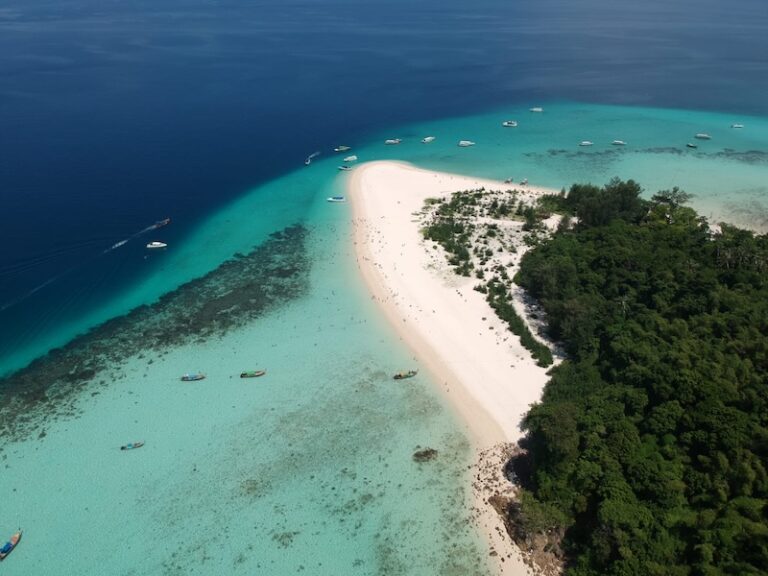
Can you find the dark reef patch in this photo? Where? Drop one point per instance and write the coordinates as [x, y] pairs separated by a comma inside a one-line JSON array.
[[232, 295]]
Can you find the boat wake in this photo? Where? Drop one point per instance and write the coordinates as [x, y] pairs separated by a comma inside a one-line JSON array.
[[38, 260]]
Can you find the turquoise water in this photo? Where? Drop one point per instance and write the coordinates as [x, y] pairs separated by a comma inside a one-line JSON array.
[[309, 469]]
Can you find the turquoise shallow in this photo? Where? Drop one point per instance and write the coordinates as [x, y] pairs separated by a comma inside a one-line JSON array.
[[308, 469]]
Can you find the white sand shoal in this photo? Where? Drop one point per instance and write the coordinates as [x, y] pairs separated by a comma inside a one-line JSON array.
[[487, 375]]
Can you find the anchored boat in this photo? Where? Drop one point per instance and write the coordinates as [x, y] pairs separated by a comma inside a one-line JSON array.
[[252, 373], [193, 377], [404, 375], [8, 547], [132, 445]]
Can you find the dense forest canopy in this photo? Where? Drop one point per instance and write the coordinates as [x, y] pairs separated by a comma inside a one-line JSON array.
[[650, 445]]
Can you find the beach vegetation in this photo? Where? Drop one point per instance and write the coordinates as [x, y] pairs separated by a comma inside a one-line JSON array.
[[649, 448]]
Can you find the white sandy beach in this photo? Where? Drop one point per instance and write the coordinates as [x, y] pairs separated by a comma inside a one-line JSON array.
[[487, 375]]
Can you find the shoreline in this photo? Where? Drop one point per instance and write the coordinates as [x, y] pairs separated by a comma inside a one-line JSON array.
[[483, 371]]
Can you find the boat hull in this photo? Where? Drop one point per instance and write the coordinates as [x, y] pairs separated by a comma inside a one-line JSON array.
[[10, 546]]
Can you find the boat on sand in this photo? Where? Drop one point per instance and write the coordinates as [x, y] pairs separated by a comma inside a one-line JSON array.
[[404, 375], [8, 547], [192, 377], [252, 373]]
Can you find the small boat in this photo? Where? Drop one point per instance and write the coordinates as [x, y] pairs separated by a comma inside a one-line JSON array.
[[132, 445], [344, 167], [509, 124], [537, 109], [252, 373], [619, 143], [427, 139], [336, 199], [509, 181], [308, 161], [193, 377], [342, 148], [466, 143], [352, 158], [156, 245], [692, 145], [161, 223], [703, 136], [404, 375], [524, 181], [737, 125], [585, 143], [8, 547], [392, 141]]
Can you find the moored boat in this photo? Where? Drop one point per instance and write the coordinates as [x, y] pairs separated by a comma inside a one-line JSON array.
[[342, 148], [8, 547], [537, 109], [392, 141], [703, 136], [585, 143], [156, 245], [336, 199], [737, 125], [344, 167], [619, 143], [509, 124], [427, 139], [352, 158], [193, 377], [132, 445], [404, 375], [466, 143], [691, 145], [252, 373]]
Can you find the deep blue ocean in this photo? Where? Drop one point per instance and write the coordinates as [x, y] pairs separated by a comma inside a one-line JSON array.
[[114, 115]]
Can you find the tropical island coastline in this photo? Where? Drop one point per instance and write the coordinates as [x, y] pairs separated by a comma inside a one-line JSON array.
[[485, 373], [643, 453]]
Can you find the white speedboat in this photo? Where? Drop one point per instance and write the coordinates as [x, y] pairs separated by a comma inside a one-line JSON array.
[[352, 158], [585, 143], [619, 143], [537, 109], [737, 125], [336, 199], [392, 141], [466, 143], [427, 139], [703, 136], [342, 148], [509, 124], [344, 167], [156, 245]]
